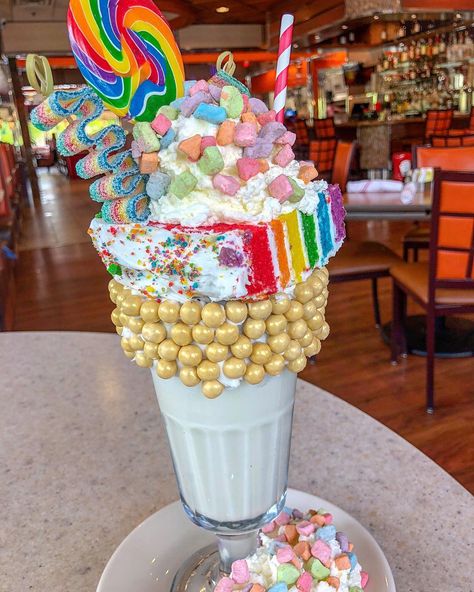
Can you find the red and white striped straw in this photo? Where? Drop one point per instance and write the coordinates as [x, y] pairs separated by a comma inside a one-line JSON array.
[[284, 53]]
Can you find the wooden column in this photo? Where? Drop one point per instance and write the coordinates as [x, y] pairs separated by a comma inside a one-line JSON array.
[[23, 118]]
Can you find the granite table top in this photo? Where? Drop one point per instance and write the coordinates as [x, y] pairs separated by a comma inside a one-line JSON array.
[[84, 459]]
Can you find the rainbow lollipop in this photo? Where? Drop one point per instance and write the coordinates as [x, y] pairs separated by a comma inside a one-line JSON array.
[[127, 54]]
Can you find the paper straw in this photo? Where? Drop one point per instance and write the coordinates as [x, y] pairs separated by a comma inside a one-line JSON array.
[[283, 63]]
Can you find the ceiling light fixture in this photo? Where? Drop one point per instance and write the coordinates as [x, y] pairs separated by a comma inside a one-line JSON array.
[[344, 27], [376, 17], [222, 9]]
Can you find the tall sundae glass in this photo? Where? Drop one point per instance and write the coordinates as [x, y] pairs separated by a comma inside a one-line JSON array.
[[216, 238]]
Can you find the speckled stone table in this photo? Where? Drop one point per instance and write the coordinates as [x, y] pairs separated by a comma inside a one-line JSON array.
[[84, 459]]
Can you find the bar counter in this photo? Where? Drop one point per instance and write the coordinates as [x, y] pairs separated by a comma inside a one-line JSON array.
[[378, 140]]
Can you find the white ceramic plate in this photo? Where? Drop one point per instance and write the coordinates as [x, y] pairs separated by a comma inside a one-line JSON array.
[[148, 558]]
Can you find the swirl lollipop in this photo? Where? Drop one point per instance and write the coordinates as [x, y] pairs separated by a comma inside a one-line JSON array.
[[127, 54]]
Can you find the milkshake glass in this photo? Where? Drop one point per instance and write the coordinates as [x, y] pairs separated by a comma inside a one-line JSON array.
[[231, 458]]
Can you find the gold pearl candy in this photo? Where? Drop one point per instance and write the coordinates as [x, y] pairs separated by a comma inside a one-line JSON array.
[[316, 322], [123, 319], [260, 310], [115, 316], [213, 314], [236, 311], [151, 350], [276, 324], [125, 345], [227, 334], [295, 312], [120, 298], [190, 313], [242, 348], [212, 389], [279, 343], [168, 311], [322, 274], [298, 365], [166, 369], [275, 366], [293, 351], [309, 310], [154, 332], [208, 370], [135, 324], [181, 334], [320, 300], [254, 328], [313, 349], [130, 354], [113, 296], [189, 376], [323, 332], [136, 342], [297, 329], [281, 305], [142, 360], [303, 292], [190, 355], [202, 334], [131, 305], [261, 353], [112, 285], [254, 373], [149, 311], [216, 352], [168, 350], [234, 368], [306, 340], [119, 330], [316, 284]]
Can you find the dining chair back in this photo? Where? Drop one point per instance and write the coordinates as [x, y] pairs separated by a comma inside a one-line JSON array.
[[342, 163], [459, 158], [445, 285], [452, 236], [6, 172], [324, 128], [300, 129], [438, 121], [444, 141], [322, 153]]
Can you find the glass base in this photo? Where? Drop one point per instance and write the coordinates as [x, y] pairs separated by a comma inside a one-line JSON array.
[[199, 573]]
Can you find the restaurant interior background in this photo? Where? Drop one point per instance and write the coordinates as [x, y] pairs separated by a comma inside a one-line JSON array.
[[369, 81]]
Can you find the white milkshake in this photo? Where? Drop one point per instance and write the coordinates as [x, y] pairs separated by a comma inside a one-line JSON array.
[[230, 454]]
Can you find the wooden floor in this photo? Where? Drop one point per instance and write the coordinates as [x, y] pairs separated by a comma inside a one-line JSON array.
[[61, 285]]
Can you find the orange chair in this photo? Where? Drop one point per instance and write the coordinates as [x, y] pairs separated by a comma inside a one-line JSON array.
[[471, 121], [324, 128], [322, 153], [448, 158], [459, 158], [299, 127], [452, 140], [438, 121], [342, 163], [6, 172], [445, 285]]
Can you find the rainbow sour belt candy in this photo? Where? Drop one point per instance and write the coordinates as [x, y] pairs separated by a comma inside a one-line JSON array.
[[123, 182]]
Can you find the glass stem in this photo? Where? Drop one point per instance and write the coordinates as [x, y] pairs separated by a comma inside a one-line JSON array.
[[235, 546]]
